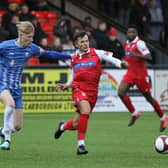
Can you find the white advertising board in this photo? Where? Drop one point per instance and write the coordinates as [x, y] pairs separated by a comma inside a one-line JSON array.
[[161, 88]]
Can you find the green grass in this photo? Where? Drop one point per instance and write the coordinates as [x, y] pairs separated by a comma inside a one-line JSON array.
[[111, 143]]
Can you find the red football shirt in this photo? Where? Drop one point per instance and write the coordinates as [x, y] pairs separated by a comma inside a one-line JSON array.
[[87, 71], [137, 66]]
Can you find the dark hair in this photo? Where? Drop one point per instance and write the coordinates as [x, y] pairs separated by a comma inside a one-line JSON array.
[[79, 34], [132, 26]]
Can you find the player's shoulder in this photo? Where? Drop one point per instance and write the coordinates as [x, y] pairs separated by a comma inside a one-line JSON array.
[[103, 53], [34, 45], [140, 42], [7, 42], [74, 57]]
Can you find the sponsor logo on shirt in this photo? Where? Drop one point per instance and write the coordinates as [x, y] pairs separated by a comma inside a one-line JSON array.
[[27, 54], [127, 53], [144, 49], [84, 65], [106, 53]]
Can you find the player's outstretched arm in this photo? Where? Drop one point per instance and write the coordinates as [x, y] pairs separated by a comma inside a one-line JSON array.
[[54, 54]]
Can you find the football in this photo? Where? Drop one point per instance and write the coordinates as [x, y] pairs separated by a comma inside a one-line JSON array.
[[161, 144]]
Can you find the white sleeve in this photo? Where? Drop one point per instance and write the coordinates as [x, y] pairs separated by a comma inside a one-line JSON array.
[[142, 48], [108, 57], [70, 79]]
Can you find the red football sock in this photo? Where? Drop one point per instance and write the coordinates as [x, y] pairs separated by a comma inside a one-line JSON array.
[[127, 101], [69, 125], [82, 126], [157, 108]]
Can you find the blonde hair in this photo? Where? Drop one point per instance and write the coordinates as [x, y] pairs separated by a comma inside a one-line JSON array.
[[25, 27]]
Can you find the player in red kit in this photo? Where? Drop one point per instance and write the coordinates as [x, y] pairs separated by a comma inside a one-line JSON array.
[[86, 68], [136, 54]]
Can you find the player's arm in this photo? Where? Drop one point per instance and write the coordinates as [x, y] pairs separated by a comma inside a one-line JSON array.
[[53, 54], [61, 86], [108, 57], [145, 53]]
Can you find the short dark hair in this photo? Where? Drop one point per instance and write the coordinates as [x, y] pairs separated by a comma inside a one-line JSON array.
[[132, 26], [79, 34]]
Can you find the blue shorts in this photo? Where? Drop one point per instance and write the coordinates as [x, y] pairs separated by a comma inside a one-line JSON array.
[[16, 94]]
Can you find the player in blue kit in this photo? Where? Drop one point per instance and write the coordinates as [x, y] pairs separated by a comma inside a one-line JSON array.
[[14, 55]]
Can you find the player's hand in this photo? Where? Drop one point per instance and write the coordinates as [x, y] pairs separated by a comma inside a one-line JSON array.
[[61, 86], [124, 64]]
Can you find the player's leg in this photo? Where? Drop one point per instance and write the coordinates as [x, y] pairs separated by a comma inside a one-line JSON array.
[[14, 124], [123, 88], [9, 103], [144, 85], [69, 125], [17, 123], [159, 111], [122, 93], [85, 110]]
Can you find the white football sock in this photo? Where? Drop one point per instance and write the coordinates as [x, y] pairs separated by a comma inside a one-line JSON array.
[[62, 127], [11, 123], [134, 113], [81, 142], [7, 123], [163, 117]]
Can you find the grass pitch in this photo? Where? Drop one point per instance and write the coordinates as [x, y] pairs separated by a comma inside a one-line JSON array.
[[110, 142]]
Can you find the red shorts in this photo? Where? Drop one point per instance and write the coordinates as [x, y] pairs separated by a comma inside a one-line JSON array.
[[78, 95], [142, 82]]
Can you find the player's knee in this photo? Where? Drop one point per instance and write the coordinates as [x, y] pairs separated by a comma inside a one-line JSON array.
[[149, 98], [10, 104], [18, 127], [75, 124], [120, 93]]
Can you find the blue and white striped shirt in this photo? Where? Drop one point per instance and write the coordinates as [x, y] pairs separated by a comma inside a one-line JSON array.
[[13, 59]]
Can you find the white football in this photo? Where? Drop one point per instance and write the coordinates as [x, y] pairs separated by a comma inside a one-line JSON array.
[[161, 144]]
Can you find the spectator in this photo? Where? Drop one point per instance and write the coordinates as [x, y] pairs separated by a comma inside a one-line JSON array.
[[164, 39], [87, 24], [76, 29], [100, 34], [68, 45], [37, 4], [12, 10], [56, 44], [63, 29], [25, 14], [108, 7], [124, 10], [12, 28], [44, 43], [92, 41], [4, 35], [156, 23], [39, 34], [113, 44], [140, 16]]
